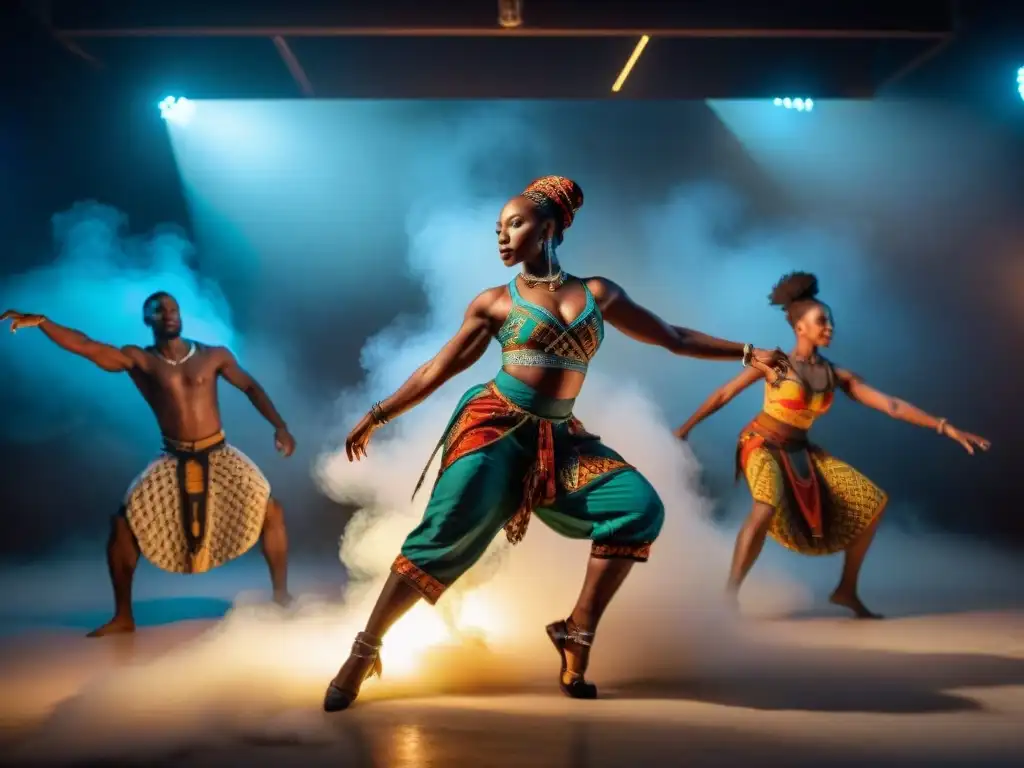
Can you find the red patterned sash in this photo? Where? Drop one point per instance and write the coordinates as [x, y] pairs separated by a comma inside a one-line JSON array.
[[488, 417], [785, 440]]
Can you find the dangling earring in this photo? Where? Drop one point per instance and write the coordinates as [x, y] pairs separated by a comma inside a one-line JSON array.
[[555, 279], [552, 281]]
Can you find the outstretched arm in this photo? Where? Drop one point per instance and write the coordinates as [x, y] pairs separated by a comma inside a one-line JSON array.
[[860, 392], [105, 356], [719, 398], [462, 350], [242, 380], [641, 324]]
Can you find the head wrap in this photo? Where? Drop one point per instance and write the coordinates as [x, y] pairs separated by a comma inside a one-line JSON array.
[[557, 195]]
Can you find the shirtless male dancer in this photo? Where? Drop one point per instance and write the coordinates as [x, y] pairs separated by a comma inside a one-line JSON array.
[[202, 503]]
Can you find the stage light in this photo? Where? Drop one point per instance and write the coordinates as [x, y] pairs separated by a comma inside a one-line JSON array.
[[630, 63], [799, 104], [1020, 82], [177, 109], [510, 13]]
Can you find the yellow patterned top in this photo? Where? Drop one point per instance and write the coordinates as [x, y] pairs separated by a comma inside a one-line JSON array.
[[793, 402]]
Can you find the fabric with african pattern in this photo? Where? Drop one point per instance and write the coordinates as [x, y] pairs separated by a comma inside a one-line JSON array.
[[822, 504], [198, 506], [509, 454]]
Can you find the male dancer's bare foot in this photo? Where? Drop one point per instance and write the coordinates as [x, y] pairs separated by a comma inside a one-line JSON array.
[[284, 599], [118, 625], [852, 601]]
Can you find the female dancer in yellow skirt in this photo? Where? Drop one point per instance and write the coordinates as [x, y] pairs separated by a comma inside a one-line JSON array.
[[808, 500], [513, 447]]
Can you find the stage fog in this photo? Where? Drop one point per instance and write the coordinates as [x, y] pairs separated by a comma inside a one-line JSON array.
[[335, 245]]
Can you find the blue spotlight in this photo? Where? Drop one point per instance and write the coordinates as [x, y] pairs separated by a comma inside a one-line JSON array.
[[1020, 82], [177, 109], [799, 104]]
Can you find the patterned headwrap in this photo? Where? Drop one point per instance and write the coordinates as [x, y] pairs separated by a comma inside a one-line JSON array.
[[557, 195]]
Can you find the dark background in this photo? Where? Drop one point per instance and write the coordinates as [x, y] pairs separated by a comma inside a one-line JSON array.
[[72, 131]]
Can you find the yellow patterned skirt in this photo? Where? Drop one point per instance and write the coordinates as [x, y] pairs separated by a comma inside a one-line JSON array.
[[822, 504], [199, 505]]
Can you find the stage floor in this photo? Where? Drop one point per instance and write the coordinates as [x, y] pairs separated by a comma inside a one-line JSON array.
[[929, 690], [936, 690]]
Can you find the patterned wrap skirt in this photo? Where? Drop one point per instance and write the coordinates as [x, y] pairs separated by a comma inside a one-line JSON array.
[[821, 503], [199, 505]]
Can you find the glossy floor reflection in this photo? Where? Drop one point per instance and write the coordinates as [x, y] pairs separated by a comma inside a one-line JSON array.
[[923, 691]]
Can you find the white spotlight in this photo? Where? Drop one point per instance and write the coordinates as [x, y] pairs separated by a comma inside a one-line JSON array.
[[177, 109], [1020, 82], [799, 104]]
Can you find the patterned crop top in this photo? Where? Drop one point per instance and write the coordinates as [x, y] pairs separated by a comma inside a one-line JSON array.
[[533, 336], [793, 401]]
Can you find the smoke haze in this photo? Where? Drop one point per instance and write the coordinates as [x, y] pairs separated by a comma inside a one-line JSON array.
[[686, 230]]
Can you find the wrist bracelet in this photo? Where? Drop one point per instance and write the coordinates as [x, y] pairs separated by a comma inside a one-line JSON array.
[[748, 354], [941, 426], [377, 414]]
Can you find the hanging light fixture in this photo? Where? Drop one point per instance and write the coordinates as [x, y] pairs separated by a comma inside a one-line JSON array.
[[510, 13]]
